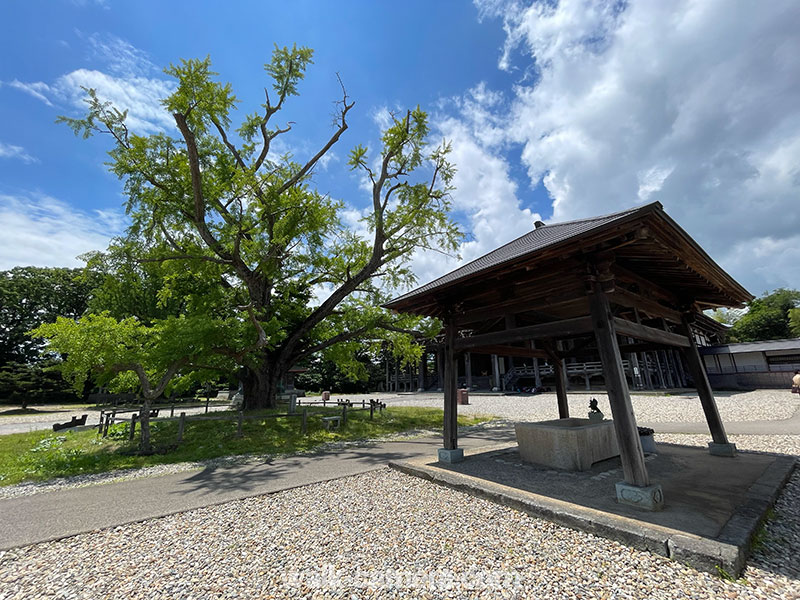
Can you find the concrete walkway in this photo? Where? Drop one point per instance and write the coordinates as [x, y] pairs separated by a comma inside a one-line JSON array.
[[54, 515]]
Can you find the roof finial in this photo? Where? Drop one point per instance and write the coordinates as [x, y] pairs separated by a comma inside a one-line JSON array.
[[537, 224]]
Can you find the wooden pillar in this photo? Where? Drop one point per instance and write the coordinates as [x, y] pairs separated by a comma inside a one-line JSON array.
[[536, 373], [648, 380], [698, 373], [421, 373], [679, 364], [440, 368], [670, 382], [659, 371], [561, 382], [449, 386], [496, 371], [636, 371], [560, 346], [468, 369], [630, 447]]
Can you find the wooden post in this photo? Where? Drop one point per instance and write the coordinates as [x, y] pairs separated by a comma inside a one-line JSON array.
[[132, 430], [304, 422], [698, 373], [561, 383], [344, 415], [421, 372], [208, 399], [537, 376], [450, 384], [495, 371], [679, 363], [648, 381], [560, 346], [630, 447], [239, 419], [172, 410], [468, 369], [181, 423], [371, 409]]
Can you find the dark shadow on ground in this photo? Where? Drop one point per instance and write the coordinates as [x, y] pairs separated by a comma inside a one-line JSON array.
[[29, 411], [270, 475]]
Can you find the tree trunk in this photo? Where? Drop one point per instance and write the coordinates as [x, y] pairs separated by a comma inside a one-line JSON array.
[[144, 423], [260, 386]]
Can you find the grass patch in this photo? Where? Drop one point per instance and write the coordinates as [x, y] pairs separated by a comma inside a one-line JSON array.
[[42, 455]]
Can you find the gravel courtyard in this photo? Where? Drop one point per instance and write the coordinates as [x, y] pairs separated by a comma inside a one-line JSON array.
[[387, 535], [652, 408]]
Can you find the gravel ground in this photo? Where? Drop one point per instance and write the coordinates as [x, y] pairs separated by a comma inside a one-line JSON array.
[[385, 535], [759, 405]]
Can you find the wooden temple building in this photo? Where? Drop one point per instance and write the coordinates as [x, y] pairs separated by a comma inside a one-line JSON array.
[[612, 286]]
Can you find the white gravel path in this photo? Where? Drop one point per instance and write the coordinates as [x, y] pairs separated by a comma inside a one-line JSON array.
[[759, 405], [383, 535]]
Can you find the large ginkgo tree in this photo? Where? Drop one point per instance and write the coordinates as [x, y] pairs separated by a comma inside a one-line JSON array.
[[281, 277]]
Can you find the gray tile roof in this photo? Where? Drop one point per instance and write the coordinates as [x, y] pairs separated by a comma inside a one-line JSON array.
[[792, 345], [533, 241]]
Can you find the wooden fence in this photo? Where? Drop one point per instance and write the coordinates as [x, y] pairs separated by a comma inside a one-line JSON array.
[[116, 416]]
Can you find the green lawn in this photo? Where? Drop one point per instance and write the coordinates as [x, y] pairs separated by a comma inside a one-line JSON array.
[[41, 455]]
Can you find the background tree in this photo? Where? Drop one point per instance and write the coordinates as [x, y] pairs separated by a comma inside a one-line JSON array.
[[768, 317], [30, 296], [221, 204], [111, 350]]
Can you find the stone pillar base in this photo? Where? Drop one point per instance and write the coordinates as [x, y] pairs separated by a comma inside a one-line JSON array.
[[721, 449], [455, 455], [647, 498]]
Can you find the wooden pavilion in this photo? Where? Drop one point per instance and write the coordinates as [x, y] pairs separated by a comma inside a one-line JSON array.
[[620, 283]]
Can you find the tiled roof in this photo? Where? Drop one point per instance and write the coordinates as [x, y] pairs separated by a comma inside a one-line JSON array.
[[533, 241], [791, 345]]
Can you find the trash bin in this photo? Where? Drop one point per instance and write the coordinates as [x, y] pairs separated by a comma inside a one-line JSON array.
[[463, 396]]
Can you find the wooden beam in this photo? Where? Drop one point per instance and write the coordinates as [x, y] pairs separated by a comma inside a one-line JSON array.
[[650, 334], [502, 350], [630, 447], [653, 308], [556, 329], [623, 274]]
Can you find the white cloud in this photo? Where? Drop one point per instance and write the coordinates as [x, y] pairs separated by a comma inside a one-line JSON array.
[[38, 230], [121, 57], [693, 104], [141, 96], [485, 198], [129, 84], [18, 152], [38, 90]]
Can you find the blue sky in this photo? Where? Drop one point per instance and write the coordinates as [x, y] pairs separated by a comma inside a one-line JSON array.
[[556, 110]]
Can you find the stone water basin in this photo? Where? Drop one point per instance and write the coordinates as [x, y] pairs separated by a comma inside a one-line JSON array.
[[572, 444]]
